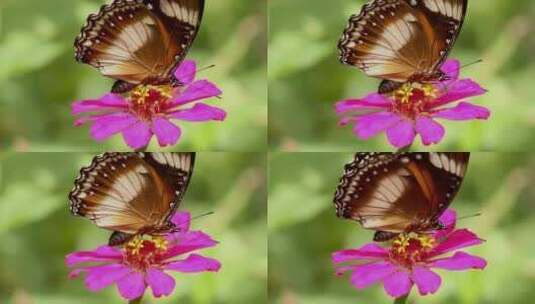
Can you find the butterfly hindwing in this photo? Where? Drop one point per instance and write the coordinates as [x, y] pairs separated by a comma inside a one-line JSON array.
[[139, 42], [132, 193], [398, 192], [402, 40]]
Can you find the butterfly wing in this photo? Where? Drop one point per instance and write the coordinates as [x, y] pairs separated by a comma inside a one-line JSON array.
[[131, 192], [398, 192], [139, 42], [402, 40]]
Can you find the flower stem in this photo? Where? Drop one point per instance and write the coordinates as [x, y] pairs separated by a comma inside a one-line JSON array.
[[136, 301], [402, 300]]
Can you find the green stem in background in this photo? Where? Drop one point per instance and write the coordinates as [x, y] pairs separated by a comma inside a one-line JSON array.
[[402, 300], [405, 149], [144, 149]]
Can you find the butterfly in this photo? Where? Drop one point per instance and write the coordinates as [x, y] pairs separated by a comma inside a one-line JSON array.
[[132, 193], [402, 41], [139, 41], [402, 192]]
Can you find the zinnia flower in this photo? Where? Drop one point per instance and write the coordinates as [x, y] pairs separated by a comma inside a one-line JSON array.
[[413, 109], [142, 262], [410, 258], [147, 110]]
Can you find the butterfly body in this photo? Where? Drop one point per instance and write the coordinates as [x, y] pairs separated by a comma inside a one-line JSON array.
[[402, 40], [139, 42], [396, 193], [132, 193]]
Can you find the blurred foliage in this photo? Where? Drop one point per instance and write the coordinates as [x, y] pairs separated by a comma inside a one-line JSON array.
[[39, 77], [304, 231], [37, 230], [306, 78]]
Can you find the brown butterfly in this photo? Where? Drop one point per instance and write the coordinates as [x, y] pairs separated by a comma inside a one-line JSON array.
[[139, 41], [132, 193], [402, 41], [394, 193]]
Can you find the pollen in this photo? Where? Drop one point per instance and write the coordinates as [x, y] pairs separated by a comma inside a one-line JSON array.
[[142, 253], [146, 101], [410, 99], [410, 248]]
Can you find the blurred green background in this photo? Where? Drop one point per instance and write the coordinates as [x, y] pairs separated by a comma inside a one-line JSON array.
[[37, 230], [306, 78], [304, 231], [39, 77]]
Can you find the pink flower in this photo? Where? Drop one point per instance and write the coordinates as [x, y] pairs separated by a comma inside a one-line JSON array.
[[413, 109], [409, 259], [147, 110], [142, 262]]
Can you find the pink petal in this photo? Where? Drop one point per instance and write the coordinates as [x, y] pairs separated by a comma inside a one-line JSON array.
[[398, 284], [464, 111], [368, 274], [161, 283], [138, 135], [182, 221], [200, 112], [451, 68], [188, 242], [448, 219], [460, 89], [431, 131], [366, 252], [194, 263], [401, 135], [426, 280], [101, 254], [106, 126], [460, 261], [166, 132], [106, 102], [99, 277], [132, 286], [373, 101], [370, 125], [457, 239], [200, 89], [185, 73]]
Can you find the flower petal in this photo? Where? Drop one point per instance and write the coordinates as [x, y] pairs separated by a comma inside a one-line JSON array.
[[451, 68], [460, 261], [398, 284], [464, 111], [401, 134], [448, 219], [366, 252], [373, 101], [101, 254], [188, 242], [161, 283], [105, 126], [200, 89], [106, 102], [99, 277], [368, 274], [182, 221], [186, 71], [132, 286], [460, 89], [370, 125], [200, 112], [138, 135], [426, 280], [166, 132], [431, 131], [457, 239], [194, 263]]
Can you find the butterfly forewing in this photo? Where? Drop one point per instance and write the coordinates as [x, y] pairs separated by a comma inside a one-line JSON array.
[[132, 192], [398, 192], [402, 40], [137, 41]]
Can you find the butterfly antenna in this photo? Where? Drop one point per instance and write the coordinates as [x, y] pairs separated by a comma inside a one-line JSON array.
[[202, 215], [471, 63], [206, 68], [469, 216]]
